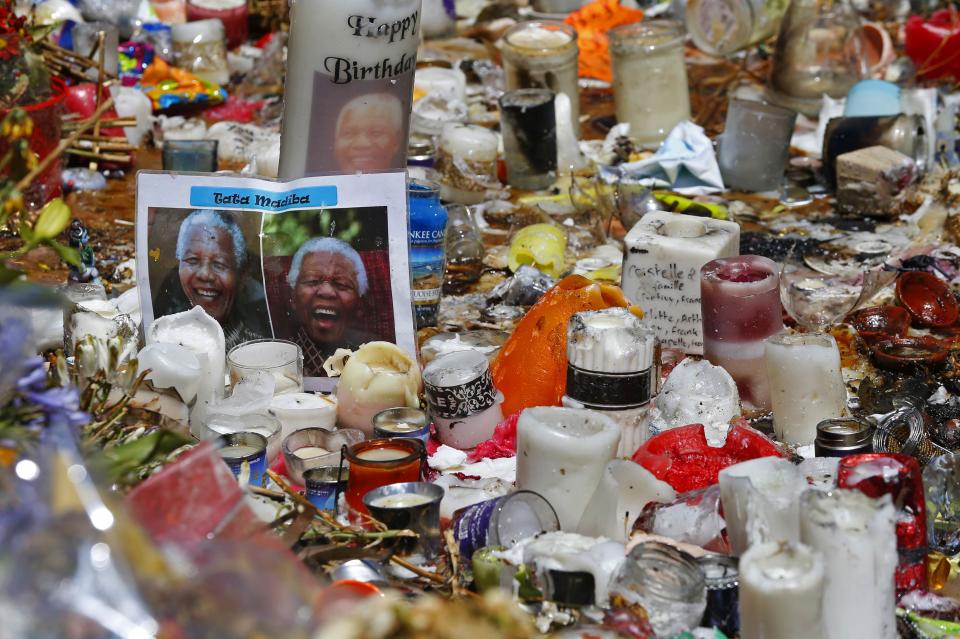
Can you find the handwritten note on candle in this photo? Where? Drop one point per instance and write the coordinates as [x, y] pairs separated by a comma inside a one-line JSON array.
[[661, 272]]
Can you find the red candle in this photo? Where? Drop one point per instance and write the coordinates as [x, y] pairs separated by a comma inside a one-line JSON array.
[[897, 475], [934, 44], [233, 14], [378, 462]]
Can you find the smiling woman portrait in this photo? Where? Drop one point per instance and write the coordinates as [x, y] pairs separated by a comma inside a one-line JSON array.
[[215, 272]]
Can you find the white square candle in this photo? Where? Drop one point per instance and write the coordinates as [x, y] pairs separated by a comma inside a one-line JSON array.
[[661, 271]]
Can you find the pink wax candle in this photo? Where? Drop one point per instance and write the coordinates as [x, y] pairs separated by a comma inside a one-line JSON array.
[[233, 14], [740, 304]]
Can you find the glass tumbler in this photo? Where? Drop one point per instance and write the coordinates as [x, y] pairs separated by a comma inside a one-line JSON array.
[[755, 145], [279, 358], [379, 462], [196, 156]]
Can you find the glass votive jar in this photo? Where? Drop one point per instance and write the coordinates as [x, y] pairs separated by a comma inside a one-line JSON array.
[[755, 145], [409, 506], [467, 163], [86, 37], [217, 424], [649, 79], [543, 55], [402, 421], [665, 579], [740, 306], [241, 448], [378, 462], [315, 447], [464, 250], [170, 11], [941, 483], [197, 156], [723, 27], [233, 14], [279, 358], [529, 128], [817, 52], [322, 485], [200, 47], [502, 521], [463, 402]]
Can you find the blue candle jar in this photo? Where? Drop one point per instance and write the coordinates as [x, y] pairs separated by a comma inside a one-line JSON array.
[[428, 221]]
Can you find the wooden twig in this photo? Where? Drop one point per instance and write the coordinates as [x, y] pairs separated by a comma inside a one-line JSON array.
[[101, 59], [426, 574], [105, 122], [99, 157]]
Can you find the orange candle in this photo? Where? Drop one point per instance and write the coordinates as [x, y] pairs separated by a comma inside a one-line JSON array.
[[378, 462]]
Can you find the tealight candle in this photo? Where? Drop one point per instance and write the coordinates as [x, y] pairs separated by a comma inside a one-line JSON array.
[[543, 55], [781, 592], [245, 449], [233, 14], [561, 454], [806, 386], [323, 484], [857, 538], [281, 359], [378, 462], [217, 424], [464, 404], [200, 48], [467, 163], [409, 505], [203, 335], [304, 410], [402, 421], [652, 50], [740, 298], [760, 501], [348, 61]]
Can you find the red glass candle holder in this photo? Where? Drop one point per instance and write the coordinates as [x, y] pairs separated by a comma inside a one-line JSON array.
[[897, 475], [234, 19], [934, 44], [378, 462]]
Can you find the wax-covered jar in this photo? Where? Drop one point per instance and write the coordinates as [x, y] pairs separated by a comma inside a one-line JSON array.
[[649, 79], [428, 222], [722, 27], [467, 163], [200, 47], [233, 14], [543, 55]]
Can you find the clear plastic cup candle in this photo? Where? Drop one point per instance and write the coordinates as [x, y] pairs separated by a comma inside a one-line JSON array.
[[281, 359]]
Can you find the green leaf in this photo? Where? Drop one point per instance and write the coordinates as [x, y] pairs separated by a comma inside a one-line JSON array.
[[26, 234], [124, 460], [9, 275], [68, 254], [53, 219]]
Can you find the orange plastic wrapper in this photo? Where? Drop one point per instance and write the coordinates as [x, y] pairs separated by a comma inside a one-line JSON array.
[[592, 23], [531, 368], [168, 86]]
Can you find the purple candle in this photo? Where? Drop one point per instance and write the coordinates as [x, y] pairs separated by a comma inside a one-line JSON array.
[[740, 302]]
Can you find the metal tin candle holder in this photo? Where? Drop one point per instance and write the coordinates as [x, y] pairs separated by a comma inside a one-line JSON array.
[[529, 128], [843, 436], [323, 485], [238, 449], [195, 156], [216, 424], [409, 506], [378, 462], [402, 421]]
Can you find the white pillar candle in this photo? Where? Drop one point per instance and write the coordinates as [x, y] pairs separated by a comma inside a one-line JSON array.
[[857, 537], [561, 454], [760, 502], [661, 272], [806, 386], [93, 317], [348, 61], [171, 366], [464, 404], [375, 377], [781, 592], [202, 334], [624, 489], [304, 410], [200, 47], [467, 163]]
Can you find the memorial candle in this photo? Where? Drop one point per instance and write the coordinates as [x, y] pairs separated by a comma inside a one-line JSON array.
[[467, 163], [760, 501], [304, 410], [561, 454], [277, 358], [349, 85], [378, 462], [200, 47], [233, 14], [740, 298], [464, 403], [806, 386], [529, 129], [781, 592], [856, 537]]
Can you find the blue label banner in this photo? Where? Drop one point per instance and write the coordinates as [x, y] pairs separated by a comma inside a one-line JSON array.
[[235, 198]]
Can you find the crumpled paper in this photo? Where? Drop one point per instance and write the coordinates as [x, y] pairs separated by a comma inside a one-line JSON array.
[[685, 163]]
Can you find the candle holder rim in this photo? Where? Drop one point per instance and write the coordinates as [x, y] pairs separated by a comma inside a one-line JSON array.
[[419, 450], [338, 474], [228, 440], [297, 354], [315, 432], [549, 25], [761, 105], [428, 489], [261, 420], [418, 414], [669, 33]]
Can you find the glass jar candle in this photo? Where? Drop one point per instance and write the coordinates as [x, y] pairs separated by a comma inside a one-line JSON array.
[[740, 301], [649, 79], [278, 358], [196, 156], [723, 583], [428, 223], [464, 404], [722, 27], [378, 462], [467, 163], [217, 424], [233, 14], [755, 145], [200, 47], [543, 55], [502, 521], [941, 483], [464, 252], [529, 128]]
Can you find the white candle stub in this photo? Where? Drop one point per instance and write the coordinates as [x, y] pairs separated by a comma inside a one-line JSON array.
[[171, 366], [781, 592], [309, 452], [536, 37], [470, 142], [625, 488], [304, 410]]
